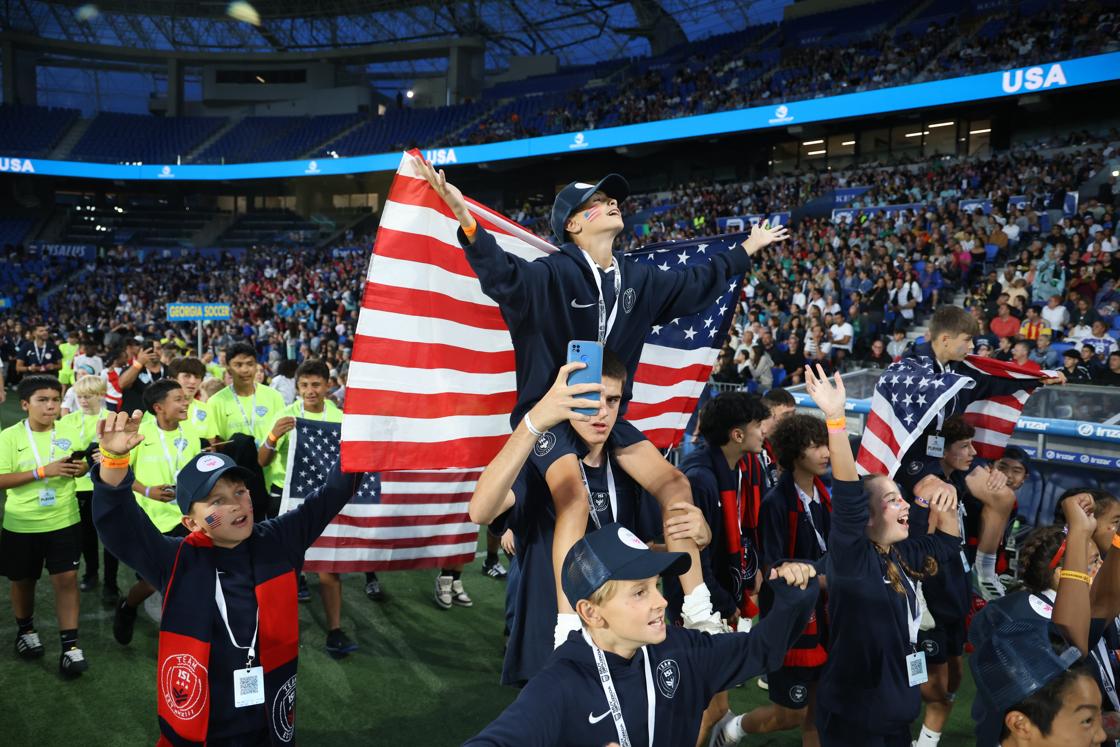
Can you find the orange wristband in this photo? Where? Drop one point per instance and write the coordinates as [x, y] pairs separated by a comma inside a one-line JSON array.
[[114, 463], [471, 229]]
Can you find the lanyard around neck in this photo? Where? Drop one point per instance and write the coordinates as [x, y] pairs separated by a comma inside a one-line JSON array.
[[251, 417], [606, 324], [303, 412], [39, 354], [611, 491], [220, 600], [35, 448], [612, 695], [172, 465], [807, 503]]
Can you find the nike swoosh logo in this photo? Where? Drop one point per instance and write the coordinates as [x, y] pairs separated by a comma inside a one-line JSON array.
[[593, 719], [580, 305]]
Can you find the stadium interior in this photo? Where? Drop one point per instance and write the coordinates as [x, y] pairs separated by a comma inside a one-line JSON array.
[[86, 87]]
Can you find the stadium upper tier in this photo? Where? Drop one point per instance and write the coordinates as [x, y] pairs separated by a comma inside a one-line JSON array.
[[844, 51]]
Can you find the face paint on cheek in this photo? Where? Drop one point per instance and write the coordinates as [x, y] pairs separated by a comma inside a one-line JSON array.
[[592, 213], [213, 520]]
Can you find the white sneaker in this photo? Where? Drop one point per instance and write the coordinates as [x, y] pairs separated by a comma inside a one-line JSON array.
[[990, 587], [72, 662], [459, 594], [723, 733], [443, 592]]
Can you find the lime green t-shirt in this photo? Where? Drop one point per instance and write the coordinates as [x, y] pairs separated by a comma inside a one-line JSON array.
[[276, 469], [199, 418], [66, 373], [86, 428], [252, 415], [40, 505], [157, 462]]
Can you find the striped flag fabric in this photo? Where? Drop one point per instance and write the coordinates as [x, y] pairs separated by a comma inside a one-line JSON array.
[[910, 393], [431, 381], [396, 521]]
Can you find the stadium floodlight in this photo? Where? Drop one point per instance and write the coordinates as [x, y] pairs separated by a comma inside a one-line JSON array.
[[817, 152], [980, 132], [813, 142], [941, 124], [848, 142], [913, 134], [409, 93], [1116, 173]]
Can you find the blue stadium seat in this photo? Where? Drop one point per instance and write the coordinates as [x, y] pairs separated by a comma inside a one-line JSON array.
[[1057, 481], [1030, 498], [779, 376]]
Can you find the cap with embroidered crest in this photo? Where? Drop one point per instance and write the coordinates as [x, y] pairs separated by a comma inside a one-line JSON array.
[[198, 477], [577, 193]]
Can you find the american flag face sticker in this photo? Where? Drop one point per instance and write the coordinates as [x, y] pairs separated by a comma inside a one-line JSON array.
[[213, 520]]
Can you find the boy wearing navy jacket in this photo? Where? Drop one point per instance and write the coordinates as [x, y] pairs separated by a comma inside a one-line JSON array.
[[794, 522], [227, 669], [628, 678], [587, 291], [947, 594]]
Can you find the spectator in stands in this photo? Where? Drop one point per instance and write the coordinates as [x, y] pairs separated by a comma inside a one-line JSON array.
[[761, 367], [842, 336], [1003, 349], [1020, 353], [1044, 355], [1004, 324], [1101, 342], [1033, 326], [792, 361], [1110, 376], [1081, 321], [877, 356], [1075, 371], [39, 354]]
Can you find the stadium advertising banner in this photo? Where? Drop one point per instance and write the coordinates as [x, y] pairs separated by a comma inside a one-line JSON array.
[[1042, 77], [79, 251], [197, 312]]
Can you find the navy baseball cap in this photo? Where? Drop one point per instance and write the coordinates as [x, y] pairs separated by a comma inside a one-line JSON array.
[[614, 553], [1012, 660], [197, 479], [577, 193], [1017, 454]]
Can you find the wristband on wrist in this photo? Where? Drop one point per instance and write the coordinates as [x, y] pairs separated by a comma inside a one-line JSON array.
[[148, 492], [270, 445], [137, 365], [114, 463], [919, 501], [532, 429], [1075, 576], [837, 423], [472, 229], [40, 473], [106, 454], [272, 438]]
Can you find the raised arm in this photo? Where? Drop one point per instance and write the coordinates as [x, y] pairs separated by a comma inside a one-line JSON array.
[[829, 397], [1072, 608], [492, 494]]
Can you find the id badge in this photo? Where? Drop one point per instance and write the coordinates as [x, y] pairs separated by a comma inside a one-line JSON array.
[[916, 668], [47, 497], [935, 446], [964, 562], [248, 687], [744, 625]]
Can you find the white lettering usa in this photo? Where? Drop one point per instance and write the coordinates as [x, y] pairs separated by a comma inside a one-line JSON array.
[[17, 165], [1033, 78]]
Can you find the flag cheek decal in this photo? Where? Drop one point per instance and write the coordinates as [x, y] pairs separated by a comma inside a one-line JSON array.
[[213, 519], [592, 213]]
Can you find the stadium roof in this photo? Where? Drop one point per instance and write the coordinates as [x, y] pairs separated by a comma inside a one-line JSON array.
[[576, 31]]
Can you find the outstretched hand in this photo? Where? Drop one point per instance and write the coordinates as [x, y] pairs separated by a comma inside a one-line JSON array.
[[447, 191], [763, 235], [828, 395], [119, 433], [559, 403], [794, 574]]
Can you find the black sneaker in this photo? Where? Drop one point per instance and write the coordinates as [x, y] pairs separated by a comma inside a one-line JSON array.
[[495, 569], [28, 645], [124, 621], [88, 583], [72, 663], [339, 644], [110, 595], [374, 591], [303, 593]]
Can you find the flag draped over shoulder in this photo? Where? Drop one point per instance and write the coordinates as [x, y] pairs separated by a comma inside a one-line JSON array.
[[990, 394], [396, 520], [431, 382]]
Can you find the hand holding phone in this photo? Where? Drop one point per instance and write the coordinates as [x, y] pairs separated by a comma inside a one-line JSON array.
[[590, 353]]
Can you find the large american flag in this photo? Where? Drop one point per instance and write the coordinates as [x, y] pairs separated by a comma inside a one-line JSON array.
[[396, 520], [431, 383], [989, 393]]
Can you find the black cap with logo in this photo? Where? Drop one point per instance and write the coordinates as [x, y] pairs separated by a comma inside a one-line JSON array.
[[577, 193]]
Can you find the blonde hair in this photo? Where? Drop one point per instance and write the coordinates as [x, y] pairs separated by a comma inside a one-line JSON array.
[[210, 387], [603, 594], [90, 386]]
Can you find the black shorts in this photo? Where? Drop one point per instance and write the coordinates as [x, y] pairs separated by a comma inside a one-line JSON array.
[[23, 554], [560, 440], [789, 686], [942, 641], [839, 732]]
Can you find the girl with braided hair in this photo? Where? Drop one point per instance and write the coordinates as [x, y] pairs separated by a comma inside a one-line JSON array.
[[868, 692]]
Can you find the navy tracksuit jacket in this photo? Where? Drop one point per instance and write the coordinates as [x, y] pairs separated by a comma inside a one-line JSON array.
[[564, 705]]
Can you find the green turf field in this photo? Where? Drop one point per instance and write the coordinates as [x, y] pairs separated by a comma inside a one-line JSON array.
[[423, 676]]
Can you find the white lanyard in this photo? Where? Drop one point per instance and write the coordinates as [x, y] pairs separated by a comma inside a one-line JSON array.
[[914, 616], [34, 448], [807, 502], [1108, 677], [612, 696], [610, 491], [220, 600], [39, 354], [606, 324], [248, 418], [303, 412], [172, 466]]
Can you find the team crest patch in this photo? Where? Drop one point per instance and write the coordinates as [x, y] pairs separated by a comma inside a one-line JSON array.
[[600, 500], [668, 677], [200, 415], [914, 467], [261, 411], [544, 443], [628, 299], [184, 686], [930, 647], [1041, 606], [180, 443], [62, 443], [284, 710], [798, 693]]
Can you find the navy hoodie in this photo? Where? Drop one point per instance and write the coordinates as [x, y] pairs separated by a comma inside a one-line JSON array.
[[565, 704], [865, 680], [551, 300]]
